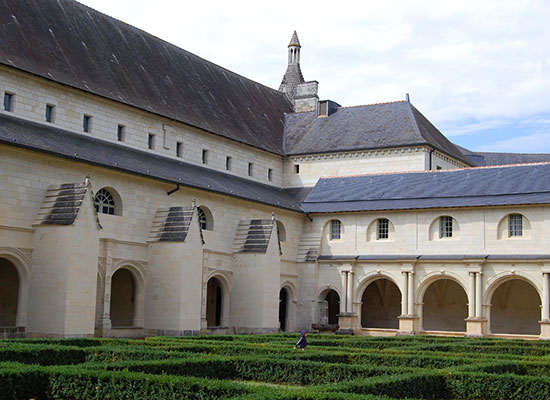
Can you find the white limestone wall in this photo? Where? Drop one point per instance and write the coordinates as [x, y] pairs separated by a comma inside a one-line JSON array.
[[313, 167], [24, 180], [33, 93], [475, 231]]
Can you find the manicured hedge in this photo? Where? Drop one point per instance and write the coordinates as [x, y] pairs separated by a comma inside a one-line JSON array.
[[42, 354]]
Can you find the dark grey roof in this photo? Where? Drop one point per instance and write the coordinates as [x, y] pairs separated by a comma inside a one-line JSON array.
[[258, 236], [376, 126], [80, 147], [67, 42], [482, 159], [489, 186], [62, 204]]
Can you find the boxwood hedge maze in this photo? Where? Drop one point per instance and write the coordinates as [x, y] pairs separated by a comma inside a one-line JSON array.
[[267, 367]]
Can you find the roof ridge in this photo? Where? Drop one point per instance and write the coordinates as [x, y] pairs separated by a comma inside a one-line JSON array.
[[439, 170], [505, 152], [374, 104]]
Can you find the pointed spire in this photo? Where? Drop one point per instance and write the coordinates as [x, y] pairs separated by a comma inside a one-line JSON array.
[[293, 76], [294, 40]]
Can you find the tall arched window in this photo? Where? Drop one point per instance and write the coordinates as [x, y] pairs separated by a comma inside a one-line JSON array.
[[206, 220], [104, 202], [281, 231]]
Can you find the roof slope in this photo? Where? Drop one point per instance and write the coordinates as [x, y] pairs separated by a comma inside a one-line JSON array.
[[489, 186], [79, 147], [88, 50], [482, 159], [375, 126]]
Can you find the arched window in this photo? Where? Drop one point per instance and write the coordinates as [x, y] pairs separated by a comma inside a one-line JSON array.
[[104, 202], [206, 220], [281, 231], [335, 229]]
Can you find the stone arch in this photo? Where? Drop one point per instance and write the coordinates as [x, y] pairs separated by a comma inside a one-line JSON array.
[[287, 307], [281, 231], [206, 219], [503, 231], [380, 299], [443, 303], [514, 301], [329, 305], [217, 301], [104, 196], [22, 264], [434, 230], [138, 276]]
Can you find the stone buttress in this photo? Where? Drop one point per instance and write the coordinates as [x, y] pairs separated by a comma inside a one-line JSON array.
[[62, 295], [174, 291], [255, 292]]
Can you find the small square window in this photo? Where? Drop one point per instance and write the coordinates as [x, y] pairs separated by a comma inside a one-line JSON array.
[[270, 175], [383, 228], [446, 227], [228, 163], [120, 133], [50, 110], [179, 149], [8, 101], [515, 225], [297, 168], [204, 156], [87, 123], [151, 141], [335, 229], [250, 169]]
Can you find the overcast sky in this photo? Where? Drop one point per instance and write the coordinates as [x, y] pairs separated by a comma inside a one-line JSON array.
[[479, 70]]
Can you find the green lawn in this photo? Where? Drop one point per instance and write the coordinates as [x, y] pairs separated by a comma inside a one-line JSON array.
[[267, 367]]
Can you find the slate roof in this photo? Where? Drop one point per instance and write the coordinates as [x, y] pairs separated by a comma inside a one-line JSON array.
[[49, 139], [69, 43], [376, 126], [490, 158], [488, 186]]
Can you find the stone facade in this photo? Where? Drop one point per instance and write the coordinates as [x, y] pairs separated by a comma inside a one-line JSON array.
[[153, 257]]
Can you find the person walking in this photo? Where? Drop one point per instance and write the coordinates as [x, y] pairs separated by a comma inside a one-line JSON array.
[[302, 343]]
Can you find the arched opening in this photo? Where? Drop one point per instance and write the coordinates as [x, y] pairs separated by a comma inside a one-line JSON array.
[[108, 201], [206, 220], [445, 307], [515, 308], [9, 293], [331, 307], [381, 305], [213, 302], [123, 300], [283, 309], [281, 231]]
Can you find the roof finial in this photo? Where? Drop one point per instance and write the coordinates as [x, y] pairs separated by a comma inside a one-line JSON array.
[[194, 202], [407, 98], [294, 40]]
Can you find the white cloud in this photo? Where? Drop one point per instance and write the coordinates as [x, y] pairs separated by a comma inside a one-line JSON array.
[[482, 61], [535, 143]]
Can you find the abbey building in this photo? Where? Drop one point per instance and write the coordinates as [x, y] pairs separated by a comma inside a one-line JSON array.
[[145, 190]]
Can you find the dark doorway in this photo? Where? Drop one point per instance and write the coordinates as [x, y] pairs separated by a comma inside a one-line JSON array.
[[213, 303], [515, 308], [123, 299], [283, 303], [9, 293], [333, 301]]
